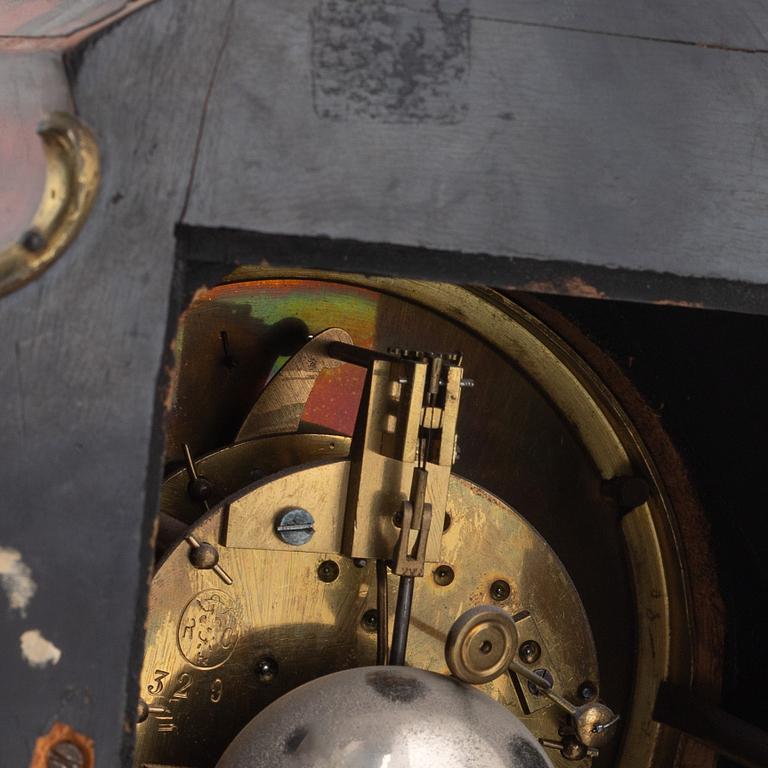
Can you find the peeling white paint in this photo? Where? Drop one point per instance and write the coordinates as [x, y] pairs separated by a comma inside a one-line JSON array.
[[16, 579], [37, 651]]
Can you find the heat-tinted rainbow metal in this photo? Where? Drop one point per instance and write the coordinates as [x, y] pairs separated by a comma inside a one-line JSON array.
[[335, 398]]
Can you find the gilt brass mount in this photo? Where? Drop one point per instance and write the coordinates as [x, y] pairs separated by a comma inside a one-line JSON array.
[[71, 183]]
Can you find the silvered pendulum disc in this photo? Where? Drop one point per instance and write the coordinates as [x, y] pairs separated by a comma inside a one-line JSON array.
[[384, 717]]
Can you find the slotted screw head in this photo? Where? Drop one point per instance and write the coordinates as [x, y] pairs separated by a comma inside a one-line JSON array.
[[547, 677], [295, 526], [65, 754]]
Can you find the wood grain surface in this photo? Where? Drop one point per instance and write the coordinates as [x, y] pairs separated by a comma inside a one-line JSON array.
[[586, 148], [81, 350]]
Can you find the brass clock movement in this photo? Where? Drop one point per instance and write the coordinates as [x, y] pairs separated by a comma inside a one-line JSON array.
[[369, 473]]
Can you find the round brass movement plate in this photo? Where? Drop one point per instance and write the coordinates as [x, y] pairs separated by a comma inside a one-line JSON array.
[[538, 430], [205, 639]]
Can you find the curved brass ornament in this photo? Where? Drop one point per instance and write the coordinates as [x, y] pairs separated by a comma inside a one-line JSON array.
[[71, 183]]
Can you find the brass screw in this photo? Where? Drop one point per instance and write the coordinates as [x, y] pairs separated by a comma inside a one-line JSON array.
[[443, 575], [587, 690], [65, 754], [546, 675], [295, 526], [370, 620], [529, 651], [266, 669], [500, 590], [328, 571], [32, 240]]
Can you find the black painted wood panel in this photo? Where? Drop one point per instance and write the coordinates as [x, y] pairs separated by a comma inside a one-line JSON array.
[[736, 24], [80, 372], [478, 136]]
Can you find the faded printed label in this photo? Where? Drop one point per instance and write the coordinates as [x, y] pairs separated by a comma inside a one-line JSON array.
[[390, 62]]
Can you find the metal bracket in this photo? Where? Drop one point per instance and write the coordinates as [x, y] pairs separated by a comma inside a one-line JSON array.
[[71, 183]]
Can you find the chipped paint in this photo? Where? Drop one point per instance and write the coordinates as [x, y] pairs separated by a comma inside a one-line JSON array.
[[37, 651], [16, 580], [568, 286], [538, 286], [679, 303], [576, 286], [62, 733]]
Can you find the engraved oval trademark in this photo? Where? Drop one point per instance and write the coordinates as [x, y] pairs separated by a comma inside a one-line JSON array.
[[209, 629]]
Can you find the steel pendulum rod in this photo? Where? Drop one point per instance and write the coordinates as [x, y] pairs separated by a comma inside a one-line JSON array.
[[382, 612], [408, 565], [424, 515], [402, 621]]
